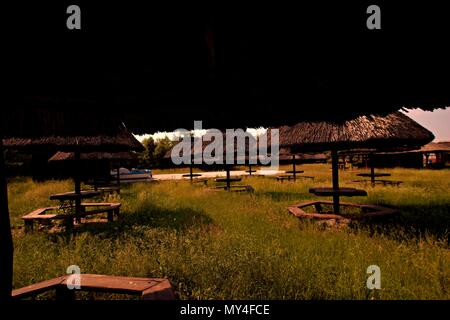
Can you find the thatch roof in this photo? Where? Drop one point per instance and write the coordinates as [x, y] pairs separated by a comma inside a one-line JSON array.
[[372, 131], [444, 143], [122, 141], [92, 156], [432, 147]]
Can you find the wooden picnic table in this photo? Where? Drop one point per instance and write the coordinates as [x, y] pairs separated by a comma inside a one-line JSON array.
[[72, 196], [191, 175], [74, 199], [330, 192], [294, 172], [228, 179]]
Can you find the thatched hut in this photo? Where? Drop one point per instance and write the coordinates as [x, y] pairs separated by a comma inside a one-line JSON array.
[[43, 148], [371, 131], [434, 155], [113, 139]]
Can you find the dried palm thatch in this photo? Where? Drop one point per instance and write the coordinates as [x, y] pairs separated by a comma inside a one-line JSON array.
[[111, 156], [434, 147], [369, 131], [444, 143], [122, 140]]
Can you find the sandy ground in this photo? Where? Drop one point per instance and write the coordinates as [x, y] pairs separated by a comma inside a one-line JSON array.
[[215, 174]]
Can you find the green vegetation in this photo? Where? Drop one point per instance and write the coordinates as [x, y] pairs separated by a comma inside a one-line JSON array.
[[219, 245]]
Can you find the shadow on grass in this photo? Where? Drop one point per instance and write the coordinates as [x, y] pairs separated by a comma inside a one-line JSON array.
[[414, 221], [151, 216]]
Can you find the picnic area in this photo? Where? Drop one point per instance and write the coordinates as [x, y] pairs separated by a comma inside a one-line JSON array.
[[222, 245]]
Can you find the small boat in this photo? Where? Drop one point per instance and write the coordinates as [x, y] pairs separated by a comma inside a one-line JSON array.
[[133, 174]]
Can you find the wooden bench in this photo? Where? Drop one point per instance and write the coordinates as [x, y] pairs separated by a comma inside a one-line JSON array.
[[237, 188], [200, 180], [368, 211], [284, 177], [108, 189], [383, 182], [291, 177], [146, 288], [110, 209], [389, 182]]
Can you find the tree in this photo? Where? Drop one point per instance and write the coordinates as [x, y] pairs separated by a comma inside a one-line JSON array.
[[146, 158], [162, 147]]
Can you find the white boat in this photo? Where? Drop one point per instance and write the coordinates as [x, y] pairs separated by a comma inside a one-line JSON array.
[[133, 174]]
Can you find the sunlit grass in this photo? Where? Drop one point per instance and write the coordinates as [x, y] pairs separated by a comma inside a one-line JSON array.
[[219, 245]]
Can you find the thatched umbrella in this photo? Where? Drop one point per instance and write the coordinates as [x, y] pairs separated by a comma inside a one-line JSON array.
[[432, 147], [114, 138], [371, 131], [247, 158], [80, 145]]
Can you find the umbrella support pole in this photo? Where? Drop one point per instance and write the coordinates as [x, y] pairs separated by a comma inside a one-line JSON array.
[[6, 244], [118, 176], [77, 182], [228, 178], [372, 170], [293, 167], [335, 170]]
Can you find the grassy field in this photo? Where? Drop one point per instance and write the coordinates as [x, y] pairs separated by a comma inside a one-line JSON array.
[[219, 245]]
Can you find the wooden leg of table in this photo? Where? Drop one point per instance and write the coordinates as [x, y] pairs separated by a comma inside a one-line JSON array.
[[318, 207], [28, 226], [110, 216], [69, 224]]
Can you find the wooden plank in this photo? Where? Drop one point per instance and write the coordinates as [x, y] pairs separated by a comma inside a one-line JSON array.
[[116, 284], [37, 288], [161, 291]]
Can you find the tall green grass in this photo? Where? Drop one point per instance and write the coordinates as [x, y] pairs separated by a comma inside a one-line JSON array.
[[219, 245]]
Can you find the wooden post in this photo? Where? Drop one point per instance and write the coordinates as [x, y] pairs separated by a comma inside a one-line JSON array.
[[293, 167], [77, 181], [335, 170], [118, 175], [372, 169], [228, 177], [6, 244], [191, 165]]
